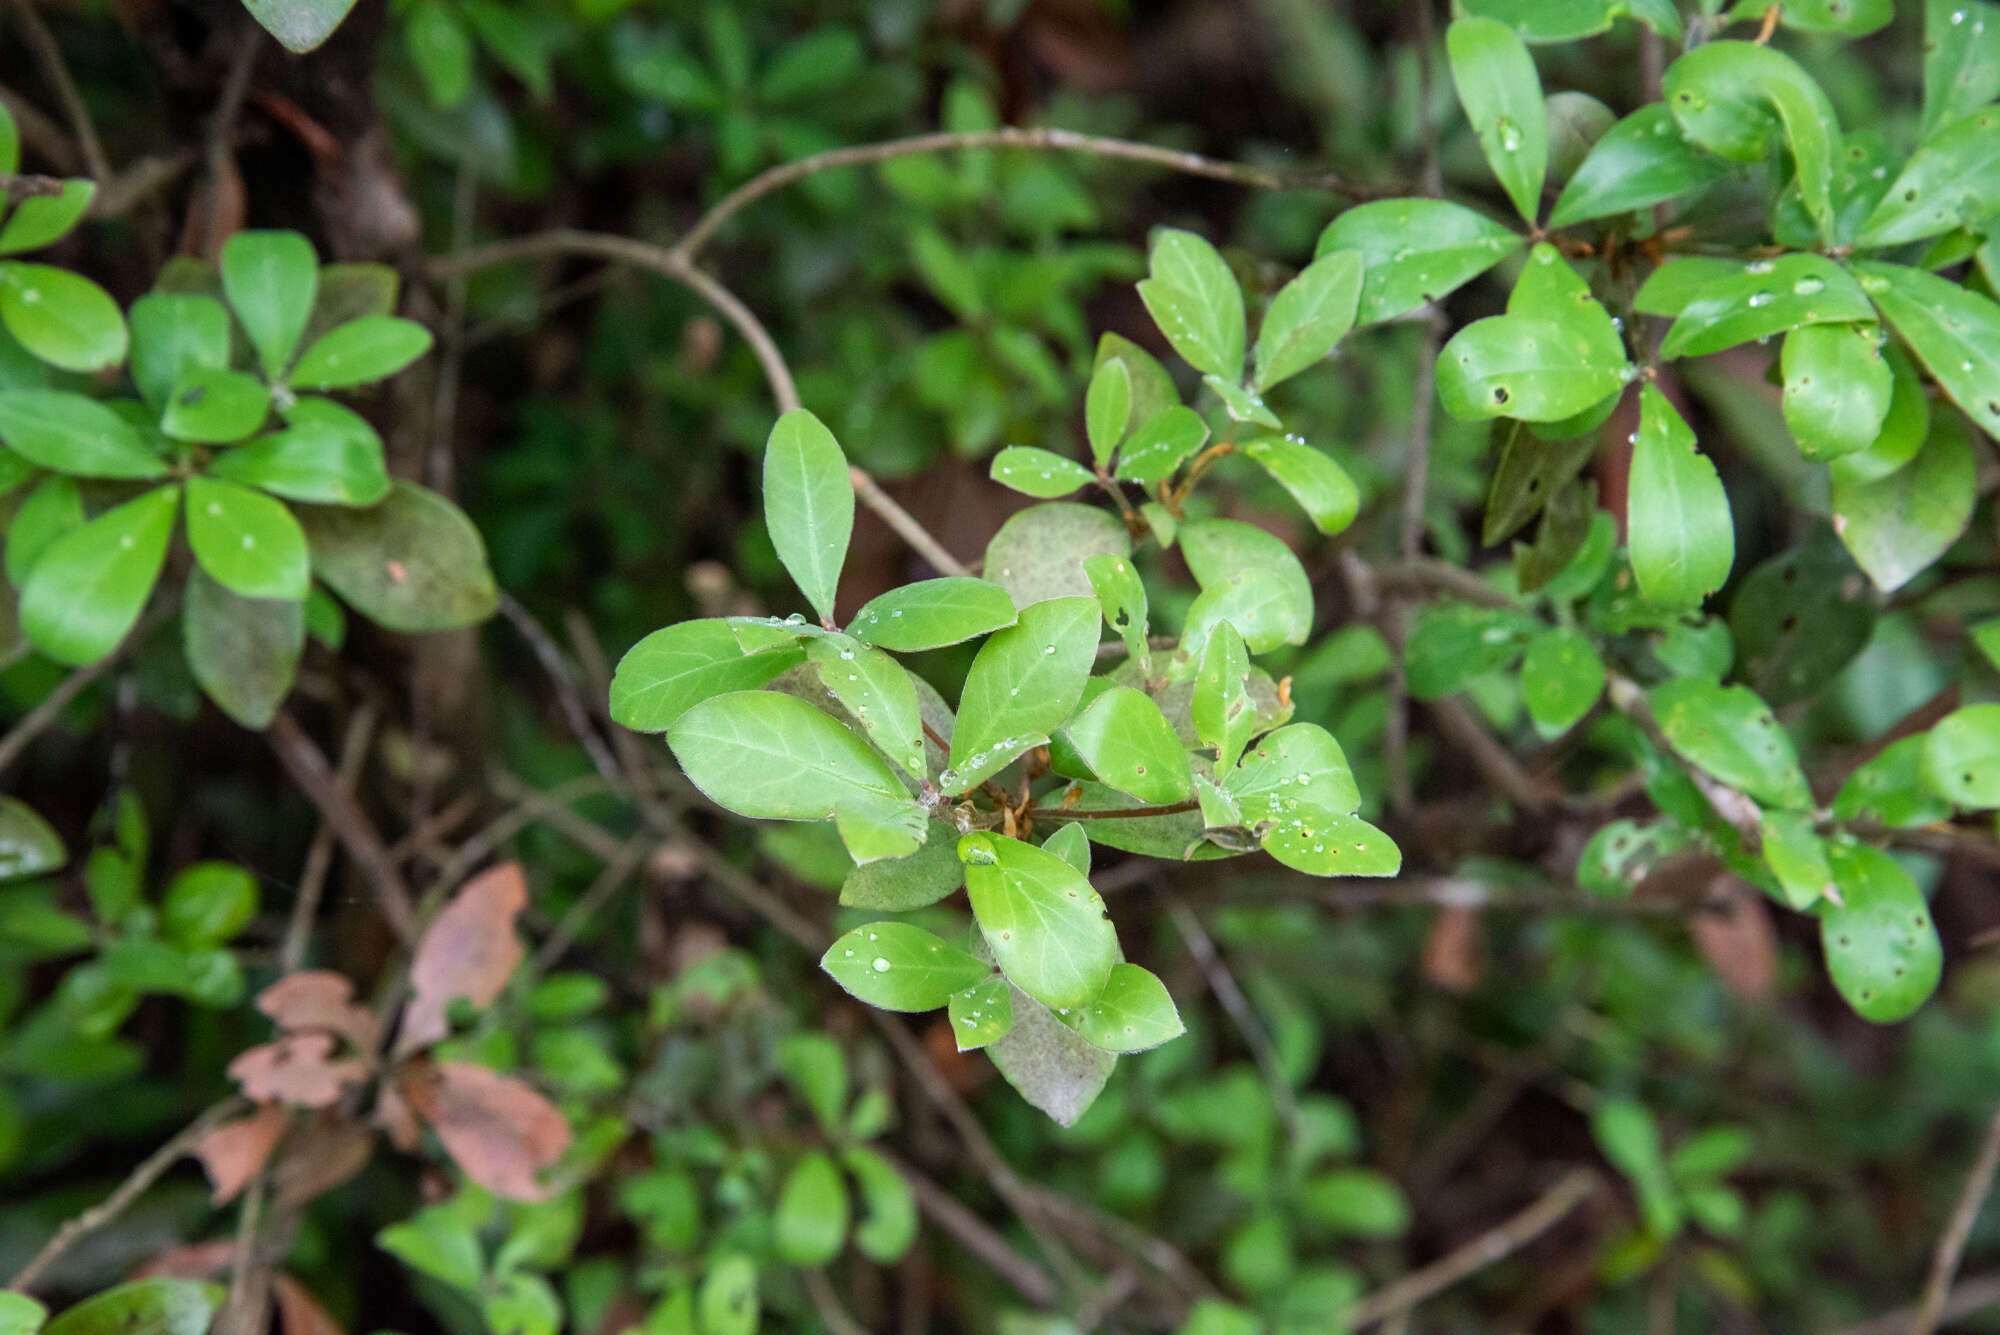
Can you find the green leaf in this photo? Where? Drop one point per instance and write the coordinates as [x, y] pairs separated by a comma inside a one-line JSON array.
[[932, 613], [728, 1299], [949, 275], [360, 352], [1568, 20], [877, 691], [1325, 843], [1356, 1202], [1549, 289], [1641, 161], [1044, 922], [207, 904], [1952, 330], [1892, 789], [1898, 526], [1023, 683], [43, 219], [1837, 388], [1681, 535], [71, 434], [1530, 471], [29, 846], [10, 142], [1962, 757], [1797, 857], [52, 509], [1881, 946], [1852, 18], [20, 1314], [1320, 486], [1221, 710], [521, 1303], [172, 335], [299, 25], [1729, 732], [1107, 409], [1729, 96], [88, 586], [1038, 473], [1308, 317], [1039, 553], [1132, 1013], [1630, 1139], [1241, 404], [679, 666], [1414, 251], [61, 317], [1048, 1063], [814, 65], [270, 279], [1158, 445], [1961, 58], [775, 757], [1072, 845], [1195, 301], [889, 1212], [1904, 428], [413, 562], [1122, 595], [1153, 390], [325, 455], [982, 1014], [1502, 96], [901, 968], [243, 652], [1799, 618], [1623, 853], [1129, 745], [1719, 305], [214, 407], [1532, 368], [1262, 604], [1297, 767], [143, 1307], [808, 505], [1951, 180], [899, 884], [812, 1215], [1561, 678], [248, 542], [441, 50], [1219, 550], [1451, 643]]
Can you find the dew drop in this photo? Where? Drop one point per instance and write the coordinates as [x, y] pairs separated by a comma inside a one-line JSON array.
[[1758, 266], [1760, 299], [881, 965], [1806, 287]]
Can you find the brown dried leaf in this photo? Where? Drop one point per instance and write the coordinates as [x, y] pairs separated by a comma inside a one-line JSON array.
[[319, 1157], [1738, 940], [469, 951], [297, 1069], [299, 1312], [1452, 955], [318, 999], [232, 1153], [393, 1116], [502, 1133]]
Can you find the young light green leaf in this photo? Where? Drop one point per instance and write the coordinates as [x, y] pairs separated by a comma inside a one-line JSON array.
[[61, 317], [1048, 1063], [1729, 732], [984, 1013], [1961, 59], [1641, 161], [1414, 251], [324, 455], [1129, 745], [1892, 789], [1241, 404], [1568, 20], [1039, 553], [52, 509], [173, 334], [1158, 445], [808, 505], [1153, 390], [1195, 301], [1324, 843], [810, 1224], [213, 406], [270, 279], [248, 542], [932, 613], [1905, 426], [360, 352], [1133, 1013], [1722, 304], [1308, 317], [1297, 769], [775, 757], [727, 1300], [889, 1212], [1262, 604], [1072, 845], [1952, 180], [1045, 923], [1217, 550], [1320, 486], [1502, 96], [29, 846], [1107, 409], [1529, 367], [1561, 678], [412, 562], [1681, 536], [677, 667], [1630, 1139], [1796, 856], [87, 587], [68, 433], [1898, 526], [1837, 388], [877, 691], [1023, 683], [1219, 810], [899, 967], [1954, 332], [20, 1314], [43, 219], [1221, 710], [243, 652], [1122, 595], [1881, 946], [1962, 757], [1038, 473]]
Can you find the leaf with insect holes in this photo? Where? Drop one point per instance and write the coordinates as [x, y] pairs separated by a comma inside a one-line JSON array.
[[1731, 733], [1881, 946], [1962, 757], [1221, 710]]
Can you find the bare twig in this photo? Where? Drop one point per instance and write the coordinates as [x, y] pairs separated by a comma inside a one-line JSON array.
[[1951, 1244], [17, 186], [569, 697], [222, 132], [977, 1236], [135, 1184], [1968, 1296], [1222, 983], [319, 857], [49, 56], [906, 528], [833, 1313], [307, 766], [1495, 762], [616, 872], [37, 720], [1427, 575]]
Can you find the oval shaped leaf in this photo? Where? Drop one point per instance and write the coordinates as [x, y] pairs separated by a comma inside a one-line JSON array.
[[982, 1014], [1023, 683], [1561, 678], [1641, 161], [360, 352], [677, 667], [1133, 1013], [1535, 369], [901, 968], [1414, 251], [1961, 58], [413, 562], [1502, 96], [808, 505], [1325, 843], [1954, 332], [1129, 745], [1107, 408], [1881, 946], [249, 543], [1731, 733], [889, 1212], [88, 586], [1217, 550], [878, 692], [29, 845], [325, 455], [1308, 317], [1194, 299], [61, 317], [1897, 526], [143, 1307], [1682, 538], [1038, 473], [1039, 553], [270, 279], [214, 407], [1297, 768], [243, 652], [1720, 304], [71, 434], [1221, 710], [42, 219], [1962, 757], [932, 613], [1320, 486], [173, 334], [1045, 923], [1160, 444], [1952, 180], [775, 757], [1837, 388]]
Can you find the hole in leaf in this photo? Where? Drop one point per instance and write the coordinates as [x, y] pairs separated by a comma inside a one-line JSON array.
[[1500, 394]]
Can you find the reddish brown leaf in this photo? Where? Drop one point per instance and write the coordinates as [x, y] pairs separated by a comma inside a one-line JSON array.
[[1452, 956], [299, 1312], [298, 1069], [1738, 940], [318, 999], [232, 1153], [319, 1157], [469, 951], [393, 1116], [502, 1133]]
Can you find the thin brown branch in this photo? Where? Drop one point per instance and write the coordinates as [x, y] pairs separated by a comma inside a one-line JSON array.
[[220, 148], [1951, 1243], [49, 56], [1223, 984], [1968, 1296], [833, 1313], [15, 185], [1125, 813], [319, 857], [977, 1236], [904, 525], [609, 881], [306, 764], [1462, 728], [1423, 574], [37, 720]]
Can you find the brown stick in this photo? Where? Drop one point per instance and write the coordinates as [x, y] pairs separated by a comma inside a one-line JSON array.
[[1968, 1296], [307, 766], [319, 857], [1951, 1244], [49, 56]]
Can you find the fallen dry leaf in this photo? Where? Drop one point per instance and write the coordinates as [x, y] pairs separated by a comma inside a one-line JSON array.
[[232, 1153], [502, 1133], [298, 1069], [318, 999], [299, 1312], [469, 950], [319, 1157], [393, 1116]]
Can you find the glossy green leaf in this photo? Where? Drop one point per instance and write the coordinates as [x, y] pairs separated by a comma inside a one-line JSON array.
[[172, 335], [1044, 922], [1218, 550], [1796, 856], [325, 455], [1048, 1063], [808, 505], [1730, 97], [1107, 408], [1951, 180], [1356, 1202], [1837, 388], [1718, 305], [360, 352], [1952, 330], [1731, 733], [1549, 289], [1679, 529], [1152, 389], [243, 652], [1568, 20], [901, 968], [1219, 810], [412, 562], [1308, 317], [1160, 444], [1897, 526], [982, 1014], [1502, 96], [1851, 18], [20, 1314], [1961, 58], [1132, 1013], [1527, 367], [679, 666], [1262, 604], [1798, 618], [1241, 404], [42, 219], [1129, 745], [1039, 553], [1324, 843], [811, 1220], [29, 845], [877, 691], [1892, 789], [142, 1307], [88, 586], [1641, 161], [270, 279], [932, 613], [1414, 251], [69, 433], [1881, 946], [248, 542], [1022, 685], [1122, 596], [913, 882], [52, 509], [888, 1210], [1072, 845], [1561, 678], [207, 904], [1297, 769], [1194, 299], [214, 407], [1905, 426], [1962, 757], [1221, 710], [299, 25], [1451, 643], [1038, 473], [61, 317], [1320, 486]]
